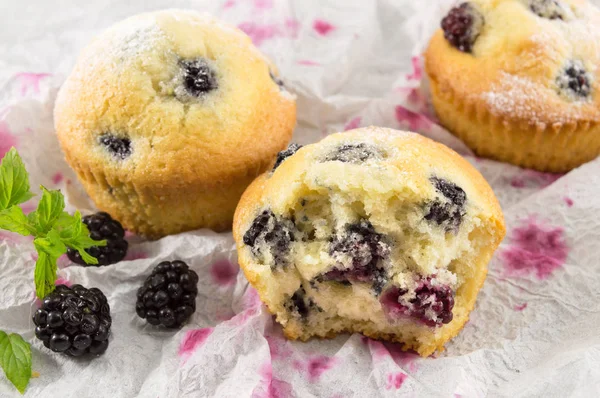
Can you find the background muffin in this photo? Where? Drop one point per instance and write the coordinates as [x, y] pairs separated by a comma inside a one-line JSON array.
[[375, 231], [167, 117], [518, 80]]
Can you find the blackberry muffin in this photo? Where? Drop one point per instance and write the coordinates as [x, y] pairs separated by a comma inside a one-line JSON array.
[[168, 116], [376, 231], [517, 80]]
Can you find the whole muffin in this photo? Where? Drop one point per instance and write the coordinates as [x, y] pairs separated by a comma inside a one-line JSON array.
[[376, 231], [168, 116], [518, 80]]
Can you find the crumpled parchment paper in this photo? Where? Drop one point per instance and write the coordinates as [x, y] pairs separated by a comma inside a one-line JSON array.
[[534, 332]]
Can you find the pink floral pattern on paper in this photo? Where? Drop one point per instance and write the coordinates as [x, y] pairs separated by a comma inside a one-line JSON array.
[[417, 73], [224, 272], [57, 178], [7, 140], [520, 307], [270, 387], [193, 339], [568, 201], [278, 346], [308, 62], [414, 121], [251, 298], [395, 380], [315, 366], [292, 27], [134, 253], [536, 248], [534, 179], [353, 123], [322, 27], [260, 33], [263, 4], [407, 360], [30, 82], [62, 281]]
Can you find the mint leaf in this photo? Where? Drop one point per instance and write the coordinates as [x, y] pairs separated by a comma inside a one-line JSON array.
[[75, 234], [14, 181], [49, 209], [49, 250], [45, 275], [13, 219], [15, 359]]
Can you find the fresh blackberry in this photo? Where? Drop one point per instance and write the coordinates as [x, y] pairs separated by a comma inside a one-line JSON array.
[[354, 153], [103, 227], [451, 191], [359, 252], [575, 80], [168, 296], [462, 25], [451, 211], [299, 304], [271, 232], [198, 77], [550, 9], [431, 303], [283, 155], [119, 147], [74, 320]]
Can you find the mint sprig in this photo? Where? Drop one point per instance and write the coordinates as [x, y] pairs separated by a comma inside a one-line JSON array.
[[53, 229], [15, 359]]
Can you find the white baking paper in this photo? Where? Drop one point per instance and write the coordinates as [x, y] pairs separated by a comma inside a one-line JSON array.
[[534, 332]]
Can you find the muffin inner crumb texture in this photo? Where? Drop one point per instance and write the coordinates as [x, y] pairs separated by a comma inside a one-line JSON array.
[[358, 248]]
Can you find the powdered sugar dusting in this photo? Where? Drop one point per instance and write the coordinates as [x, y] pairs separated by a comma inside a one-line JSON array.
[[522, 97]]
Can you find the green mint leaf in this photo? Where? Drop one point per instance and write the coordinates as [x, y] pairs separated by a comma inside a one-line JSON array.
[[45, 275], [49, 210], [14, 181], [15, 359], [13, 219], [52, 244], [75, 234], [49, 250]]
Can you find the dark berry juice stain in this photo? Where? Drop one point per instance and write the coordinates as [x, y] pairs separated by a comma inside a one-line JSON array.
[[119, 147], [301, 304], [354, 153], [456, 194], [550, 9], [451, 211], [575, 80], [103, 227], [198, 77], [366, 248], [431, 303], [535, 248], [283, 155], [462, 25], [277, 234]]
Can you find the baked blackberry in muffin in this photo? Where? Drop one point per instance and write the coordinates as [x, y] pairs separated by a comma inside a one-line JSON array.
[[376, 231], [517, 80], [168, 116]]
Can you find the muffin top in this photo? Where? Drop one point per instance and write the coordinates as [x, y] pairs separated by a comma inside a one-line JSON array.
[[368, 178], [530, 60], [173, 95]]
